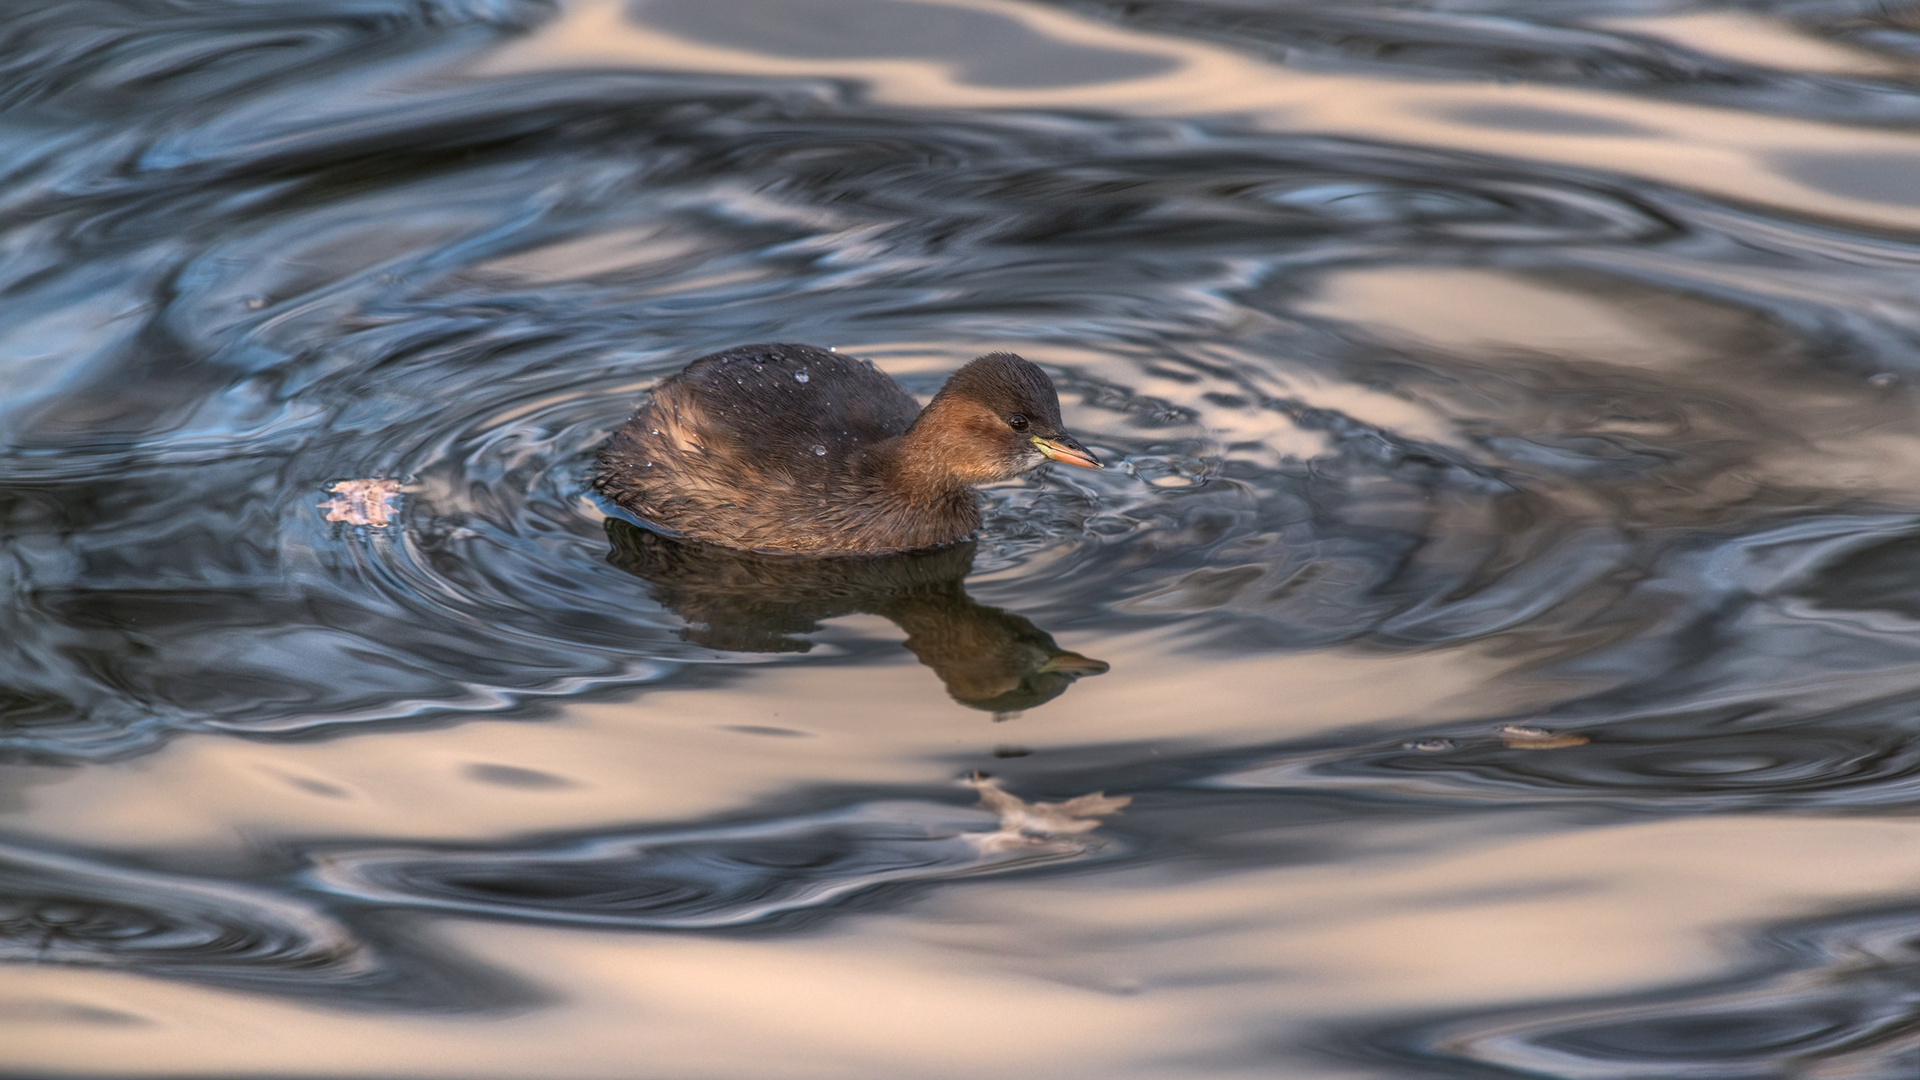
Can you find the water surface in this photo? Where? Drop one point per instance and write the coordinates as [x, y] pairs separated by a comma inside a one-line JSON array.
[[1494, 653]]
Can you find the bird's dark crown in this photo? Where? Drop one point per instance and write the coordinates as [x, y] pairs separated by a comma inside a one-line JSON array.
[[1009, 386]]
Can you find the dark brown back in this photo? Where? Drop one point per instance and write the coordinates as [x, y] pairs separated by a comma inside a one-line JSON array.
[[752, 439]]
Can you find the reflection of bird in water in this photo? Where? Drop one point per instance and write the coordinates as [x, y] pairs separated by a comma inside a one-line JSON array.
[[793, 449], [746, 602]]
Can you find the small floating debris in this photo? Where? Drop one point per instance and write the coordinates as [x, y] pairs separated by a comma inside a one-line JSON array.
[[1521, 737], [363, 502], [1040, 824], [1430, 746], [1884, 380]]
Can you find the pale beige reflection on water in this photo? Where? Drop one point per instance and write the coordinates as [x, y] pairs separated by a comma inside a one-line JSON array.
[[1723, 151], [1150, 971], [1143, 973], [676, 754]]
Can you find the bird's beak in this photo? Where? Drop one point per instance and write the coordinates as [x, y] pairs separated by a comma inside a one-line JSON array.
[[1066, 450], [1072, 663]]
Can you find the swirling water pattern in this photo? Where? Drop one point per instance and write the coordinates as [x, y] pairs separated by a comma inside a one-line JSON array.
[[1466, 366]]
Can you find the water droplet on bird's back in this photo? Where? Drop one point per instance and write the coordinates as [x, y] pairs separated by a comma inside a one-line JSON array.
[[799, 376], [819, 451]]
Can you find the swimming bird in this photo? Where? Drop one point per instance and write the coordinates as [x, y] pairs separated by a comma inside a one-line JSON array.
[[798, 450]]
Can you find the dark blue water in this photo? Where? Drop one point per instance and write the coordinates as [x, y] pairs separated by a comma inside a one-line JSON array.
[[1498, 642]]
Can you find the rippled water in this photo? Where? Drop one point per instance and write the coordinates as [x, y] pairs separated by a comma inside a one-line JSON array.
[[1498, 645]]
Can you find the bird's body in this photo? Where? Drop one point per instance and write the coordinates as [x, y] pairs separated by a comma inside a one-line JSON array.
[[794, 449]]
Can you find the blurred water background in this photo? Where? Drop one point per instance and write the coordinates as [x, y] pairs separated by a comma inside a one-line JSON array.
[[1498, 644]]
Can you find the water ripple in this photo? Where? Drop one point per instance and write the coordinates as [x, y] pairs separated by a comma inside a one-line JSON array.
[[59, 909], [706, 878], [170, 568], [1837, 995]]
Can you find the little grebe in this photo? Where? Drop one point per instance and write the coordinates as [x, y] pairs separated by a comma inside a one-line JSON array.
[[789, 448]]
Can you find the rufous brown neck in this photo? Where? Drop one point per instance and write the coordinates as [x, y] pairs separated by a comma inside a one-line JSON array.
[[948, 450]]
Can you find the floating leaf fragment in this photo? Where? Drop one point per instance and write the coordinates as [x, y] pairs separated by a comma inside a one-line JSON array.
[[362, 502], [1041, 824], [1520, 737]]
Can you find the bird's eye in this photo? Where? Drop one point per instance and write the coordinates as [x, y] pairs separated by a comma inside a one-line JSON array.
[[1017, 422]]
